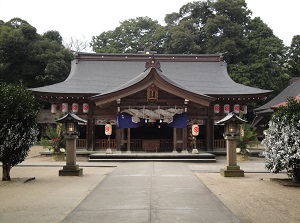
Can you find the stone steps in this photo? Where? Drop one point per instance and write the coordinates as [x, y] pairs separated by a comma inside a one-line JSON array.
[[161, 157]]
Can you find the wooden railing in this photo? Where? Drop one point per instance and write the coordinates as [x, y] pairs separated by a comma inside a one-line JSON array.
[[201, 143], [219, 144], [103, 144], [166, 143], [81, 144], [136, 144]]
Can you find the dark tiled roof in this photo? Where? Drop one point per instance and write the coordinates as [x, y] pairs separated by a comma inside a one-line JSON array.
[[201, 74], [130, 82], [290, 91], [208, 78], [95, 77]]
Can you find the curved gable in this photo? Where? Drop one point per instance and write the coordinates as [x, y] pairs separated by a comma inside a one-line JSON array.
[[146, 79]]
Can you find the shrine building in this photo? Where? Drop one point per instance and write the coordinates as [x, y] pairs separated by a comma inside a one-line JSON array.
[[264, 112], [151, 100]]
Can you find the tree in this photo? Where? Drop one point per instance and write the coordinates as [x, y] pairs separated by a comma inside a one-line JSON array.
[[131, 36], [15, 38], [30, 58], [186, 29], [225, 30], [293, 57], [51, 60], [18, 126], [180, 40], [261, 61], [77, 45], [282, 140]]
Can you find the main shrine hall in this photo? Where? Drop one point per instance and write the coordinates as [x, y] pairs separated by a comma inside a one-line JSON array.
[[151, 100]]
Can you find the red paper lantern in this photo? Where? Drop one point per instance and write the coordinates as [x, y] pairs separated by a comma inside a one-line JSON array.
[[236, 108], [226, 108], [85, 108], [108, 129], [217, 108], [244, 109], [64, 107], [195, 130], [53, 108], [75, 107]]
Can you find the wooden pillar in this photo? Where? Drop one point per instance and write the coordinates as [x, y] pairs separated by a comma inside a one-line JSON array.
[[184, 139], [90, 135], [210, 134], [128, 140], [118, 139], [174, 140], [210, 128]]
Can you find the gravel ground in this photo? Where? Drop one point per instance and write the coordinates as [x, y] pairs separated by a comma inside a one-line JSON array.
[[256, 198], [37, 194], [253, 198]]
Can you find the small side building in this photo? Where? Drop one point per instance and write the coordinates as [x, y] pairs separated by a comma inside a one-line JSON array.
[[264, 112]]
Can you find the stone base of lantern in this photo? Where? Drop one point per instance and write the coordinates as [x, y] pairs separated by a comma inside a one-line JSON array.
[[195, 151], [109, 151], [232, 171], [71, 170]]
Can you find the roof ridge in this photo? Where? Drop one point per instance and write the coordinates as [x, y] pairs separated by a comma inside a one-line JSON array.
[[145, 57]]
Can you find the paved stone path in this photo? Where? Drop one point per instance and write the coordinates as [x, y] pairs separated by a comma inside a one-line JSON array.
[[151, 192]]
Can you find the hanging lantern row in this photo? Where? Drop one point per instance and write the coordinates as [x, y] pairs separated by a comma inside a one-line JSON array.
[[65, 108], [236, 108]]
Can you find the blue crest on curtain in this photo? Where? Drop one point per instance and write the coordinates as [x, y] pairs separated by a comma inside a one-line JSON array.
[[179, 121]]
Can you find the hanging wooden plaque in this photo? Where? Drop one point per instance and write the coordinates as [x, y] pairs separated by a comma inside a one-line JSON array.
[[152, 93]]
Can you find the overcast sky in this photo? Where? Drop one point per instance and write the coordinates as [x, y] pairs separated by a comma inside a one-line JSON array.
[[87, 18]]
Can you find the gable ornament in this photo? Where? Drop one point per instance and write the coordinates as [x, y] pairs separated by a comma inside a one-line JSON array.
[[152, 93]]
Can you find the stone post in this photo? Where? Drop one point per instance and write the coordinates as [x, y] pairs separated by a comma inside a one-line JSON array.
[[71, 169], [232, 169]]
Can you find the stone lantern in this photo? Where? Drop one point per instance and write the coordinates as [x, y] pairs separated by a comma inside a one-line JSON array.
[[71, 133], [231, 122]]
